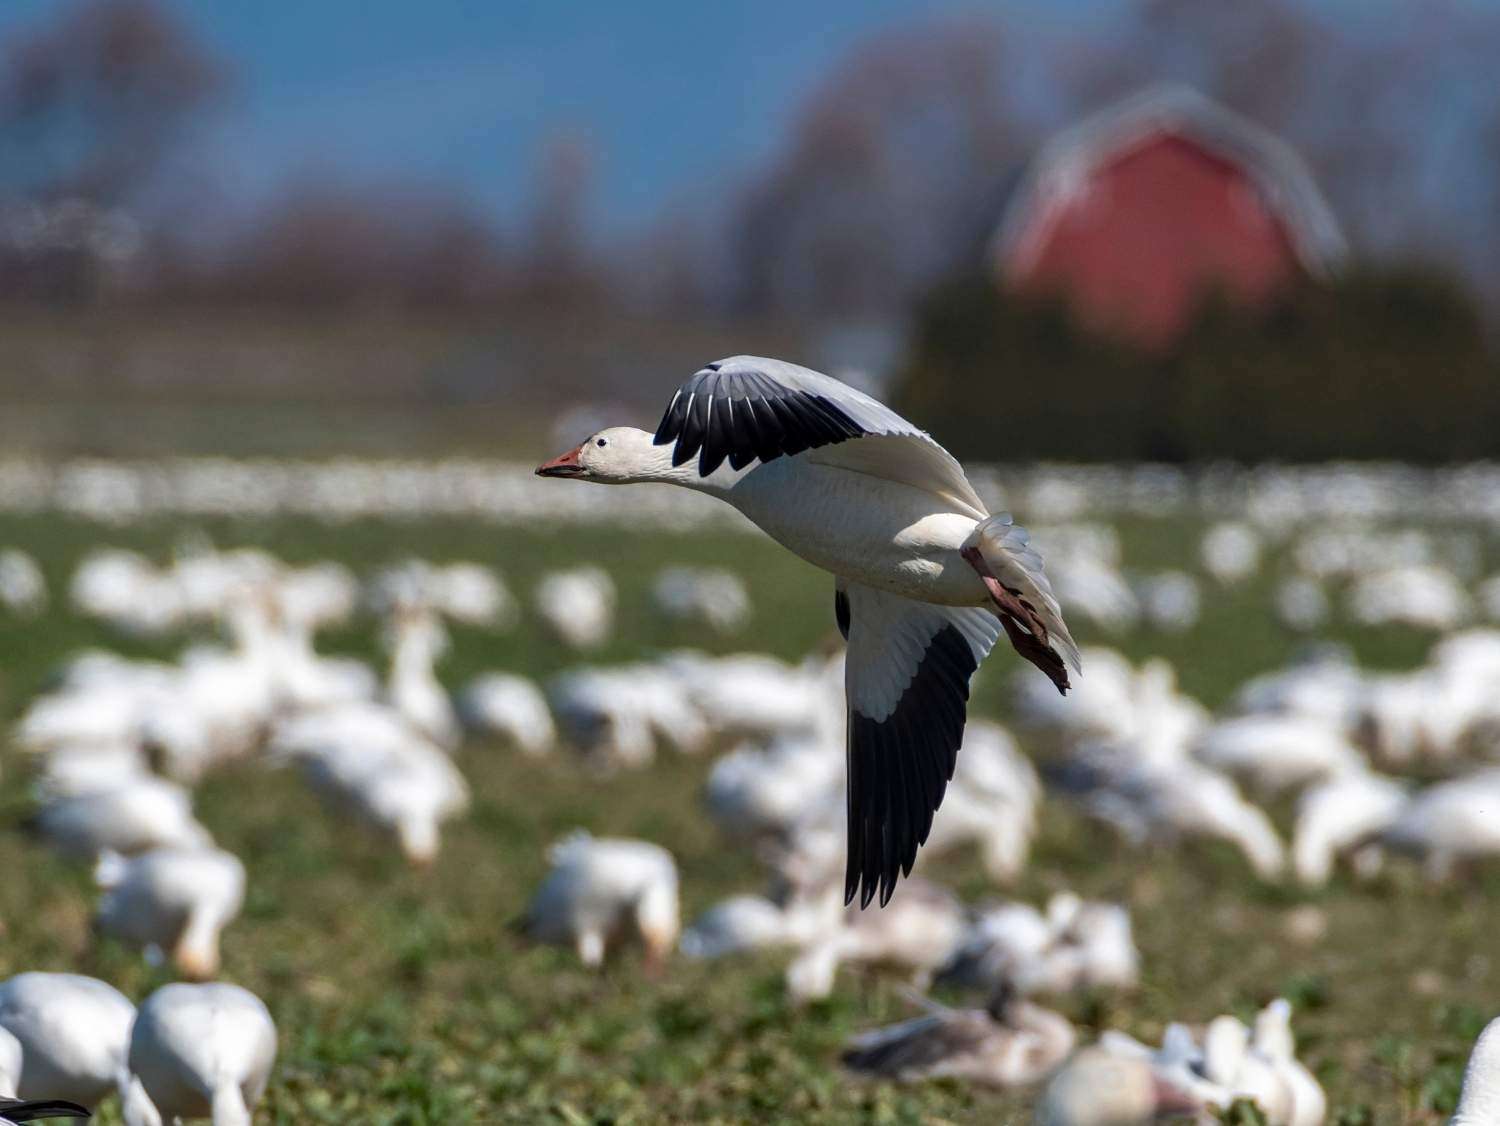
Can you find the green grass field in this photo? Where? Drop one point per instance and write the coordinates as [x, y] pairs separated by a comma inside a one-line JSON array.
[[406, 997]]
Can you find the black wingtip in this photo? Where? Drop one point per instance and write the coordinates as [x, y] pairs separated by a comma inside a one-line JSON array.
[[34, 1110]]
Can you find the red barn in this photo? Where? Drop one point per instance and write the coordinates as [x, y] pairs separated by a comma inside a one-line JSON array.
[[1138, 212]]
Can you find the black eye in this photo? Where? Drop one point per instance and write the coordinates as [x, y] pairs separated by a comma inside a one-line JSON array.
[[598, 441]]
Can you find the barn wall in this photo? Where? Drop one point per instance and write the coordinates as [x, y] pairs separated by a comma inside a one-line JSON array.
[[1148, 233]]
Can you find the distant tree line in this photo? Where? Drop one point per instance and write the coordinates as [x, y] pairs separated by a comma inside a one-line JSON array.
[[891, 174], [1373, 365]]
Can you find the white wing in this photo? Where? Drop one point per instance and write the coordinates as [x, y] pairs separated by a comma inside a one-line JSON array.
[[907, 681], [751, 408]]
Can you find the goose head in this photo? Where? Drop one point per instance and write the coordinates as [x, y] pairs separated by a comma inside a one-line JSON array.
[[619, 455]]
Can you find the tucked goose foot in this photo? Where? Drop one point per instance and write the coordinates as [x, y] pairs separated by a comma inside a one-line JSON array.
[[1022, 625]]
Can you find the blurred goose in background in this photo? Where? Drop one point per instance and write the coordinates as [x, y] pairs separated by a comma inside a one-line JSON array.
[[1450, 823], [1170, 601], [125, 589], [402, 786], [992, 801], [510, 707], [1009, 1043], [925, 578], [760, 794], [73, 771], [1323, 684], [617, 715], [1097, 1087], [1278, 752], [578, 606], [599, 890], [173, 902], [198, 1051], [752, 922], [417, 639], [10, 1063], [1232, 1061], [705, 596], [1301, 603], [1073, 944], [1230, 552], [141, 814], [1274, 1040], [74, 1033], [1479, 1102], [464, 592], [915, 935], [1146, 799], [757, 696], [1342, 815], [23, 587]]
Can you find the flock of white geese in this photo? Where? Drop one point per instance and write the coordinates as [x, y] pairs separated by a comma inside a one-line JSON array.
[[117, 745]]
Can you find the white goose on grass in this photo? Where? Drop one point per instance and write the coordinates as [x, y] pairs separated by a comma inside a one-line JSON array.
[[917, 934], [141, 814], [1344, 815], [1009, 1043], [511, 707], [1479, 1102], [173, 902], [925, 578], [1103, 1088], [198, 1051], [599, 890], [74, 1033]]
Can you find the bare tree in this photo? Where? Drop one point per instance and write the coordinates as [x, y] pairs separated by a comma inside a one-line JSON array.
[[888, 174], [93, 102]]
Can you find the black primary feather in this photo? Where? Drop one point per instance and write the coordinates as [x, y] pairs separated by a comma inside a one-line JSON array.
[[899, 768], [744, 416]]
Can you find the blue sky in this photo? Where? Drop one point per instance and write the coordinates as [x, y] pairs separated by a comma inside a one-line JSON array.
[[668, 94], [458, 93]]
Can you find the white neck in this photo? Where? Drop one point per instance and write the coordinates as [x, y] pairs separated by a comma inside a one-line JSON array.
[[655, 464]]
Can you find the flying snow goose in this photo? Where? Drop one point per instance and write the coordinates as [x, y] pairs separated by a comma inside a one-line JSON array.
[[74, 1033], [925, 578], [198, 1051]]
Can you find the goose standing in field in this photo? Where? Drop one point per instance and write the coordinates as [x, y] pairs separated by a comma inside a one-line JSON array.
[[417, 640], [1479, 1103], [599, 890], [173, 902], [916, 935], [925, 579], [1343, 814], [74, 1033], [578, 605], [198, 1051], [1450, 823], [23, 588], [140, 814], [511, 707]]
